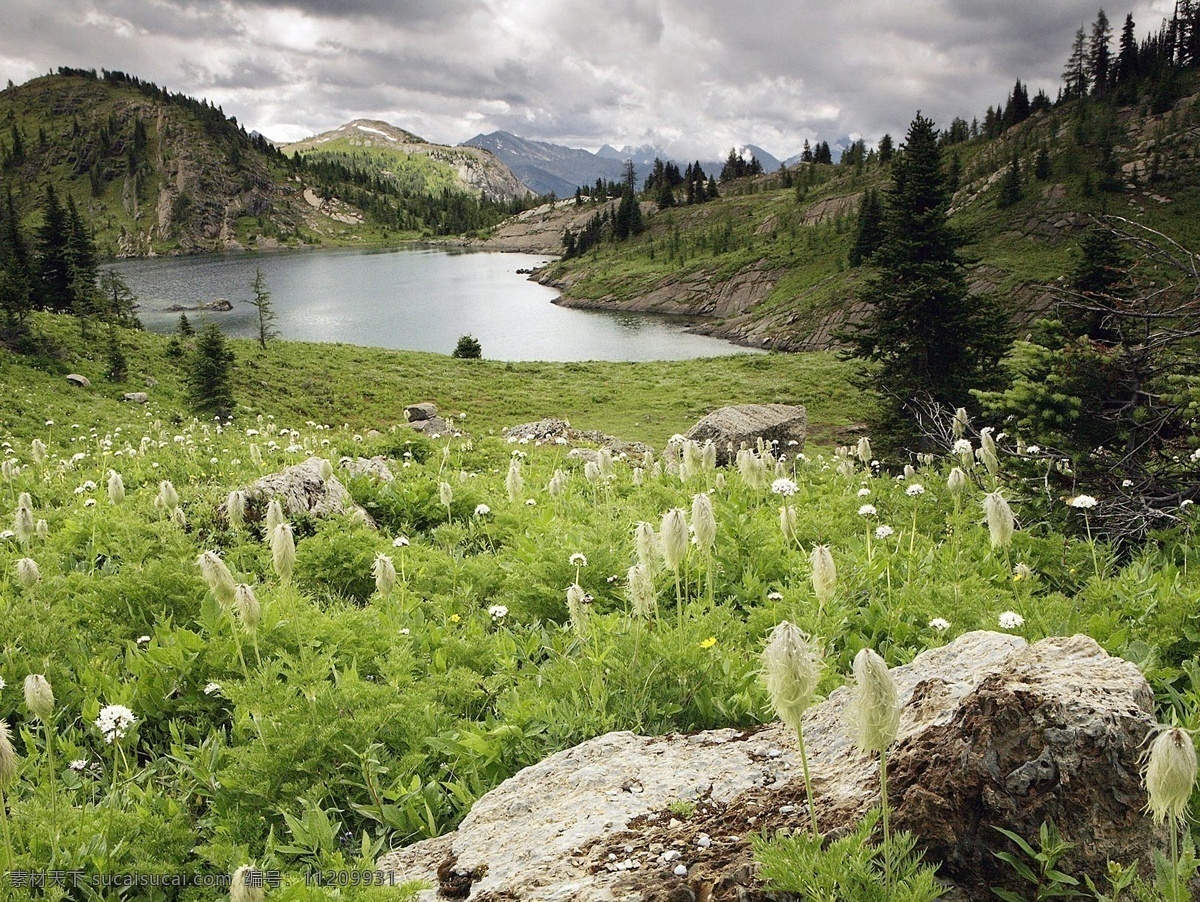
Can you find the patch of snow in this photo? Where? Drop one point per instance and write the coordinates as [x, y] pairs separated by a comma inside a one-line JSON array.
[[375, 131]]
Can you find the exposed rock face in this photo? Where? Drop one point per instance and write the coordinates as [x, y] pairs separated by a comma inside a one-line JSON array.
[[426, 410], [993, 732], [729, 427], [552, 430], [375, 467], [301, 491], [81, 381], [136, 397]]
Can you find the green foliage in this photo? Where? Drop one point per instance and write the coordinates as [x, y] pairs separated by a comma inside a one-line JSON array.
[[468, 348], [263, 311], [849, 867], [209, 377], [1039, 867]]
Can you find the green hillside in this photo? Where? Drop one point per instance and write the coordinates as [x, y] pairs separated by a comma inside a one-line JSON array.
[[767, 261]]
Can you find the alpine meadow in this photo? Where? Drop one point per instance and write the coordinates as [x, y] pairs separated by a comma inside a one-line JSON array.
[[297, 621]]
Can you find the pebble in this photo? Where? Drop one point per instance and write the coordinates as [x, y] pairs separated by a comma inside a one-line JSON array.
[[680, 870], [786, 809], [704, 840], [670, 855]]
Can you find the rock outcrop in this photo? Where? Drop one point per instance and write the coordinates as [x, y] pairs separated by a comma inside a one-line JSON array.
[[553, 431], [731, 427], [994, 732], [301, 491]]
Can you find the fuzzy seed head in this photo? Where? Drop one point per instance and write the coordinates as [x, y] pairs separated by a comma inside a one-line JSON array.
[[244, 889], [791, 670], [219, 579], [957, 480], [247, 607], [704, 522], [39, 697], [673, 538], [179, 518], [325, 469], [38, 451], [385, 575], [863, 450], [591, 472], [168, 498], [445, 494], [23, 524], [514, 483], [274, 515], [824, 573], [116, 487], [709, 456], [788, 523], [28, 574], [42, 529], [577, 608], [642, 597], [235, 508], [283, 551], [1170, 774], [1000, 520], [960, 422], [8, 756], [875, 705], [256, 454], [645, 544], [639, 476], [604, 460]]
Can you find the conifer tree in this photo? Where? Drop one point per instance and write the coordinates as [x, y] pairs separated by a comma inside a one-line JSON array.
[[1075, 75], [264, 312], [54, 261], [15, 280], [928, 339], [870, 228], [1010, 184], [1099, 56], [211, 368]]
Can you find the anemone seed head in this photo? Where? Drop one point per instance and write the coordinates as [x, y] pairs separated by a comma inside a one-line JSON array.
[[673, 537], [1170, 774], [791, 670], [875, 706]]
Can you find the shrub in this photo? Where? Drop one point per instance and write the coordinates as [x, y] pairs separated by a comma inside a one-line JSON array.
[[468, 348]]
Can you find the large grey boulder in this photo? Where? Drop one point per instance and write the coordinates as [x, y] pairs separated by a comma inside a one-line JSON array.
[[415, 413], [729, 428], [77, 379], [993, 732], [301, 491]]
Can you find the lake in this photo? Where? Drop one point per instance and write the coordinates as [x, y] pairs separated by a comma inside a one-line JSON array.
[[417, 299]]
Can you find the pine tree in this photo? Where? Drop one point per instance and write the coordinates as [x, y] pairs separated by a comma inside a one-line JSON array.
[[1010, 184], [211, 369], [1041, 164], [1099, 55], [1075, 75], [887, 149], [929, 339], [264, 312], [54, 262], [16, 289], [870, 229], [1127, 52]]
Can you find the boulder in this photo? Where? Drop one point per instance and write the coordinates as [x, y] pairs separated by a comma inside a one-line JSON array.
[[375, 467], [994, 733], [302, 492], [81, 381], [553, 431], [136, 397], [426, 410], [434, 426], [728, 428]]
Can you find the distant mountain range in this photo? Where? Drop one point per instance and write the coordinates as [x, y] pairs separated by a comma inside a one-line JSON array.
[[546, 167]]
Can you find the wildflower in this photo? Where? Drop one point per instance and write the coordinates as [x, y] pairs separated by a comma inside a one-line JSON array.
[[79, 765], [639, 475], [23, 526], [774, 596], [235, 508], [875, 708], [274, 515], [2, 684], [578, 559], [867, 510], [384, 572], [863, 450], [454, 618], [577, 601], [645, 544], [325, 469], [28, 574], [960, 422], [446, 494], [709, 642], [283, 551], [1000, 519], [1034, 449], [167, 498], [497, 612], [531, 502], [704, 523], [143, 640], [247, 885], [1011, 620], [247, 607], [116, 487], [640, 588], [179, 518], [864, 493], [914, 490], [1082, 502], [39, 697], [514, 483], [217, 576], [38, 451], [114, 722], [957, 480], [400, 542], [1022, 571], [939, 624], [42, 529], [404, 631], [1170, 774], [788, 523], [882, 532], [8, 757], [212, 689], [90, 502], [824, 573], [791, 670], [784, 487], [674, 538]]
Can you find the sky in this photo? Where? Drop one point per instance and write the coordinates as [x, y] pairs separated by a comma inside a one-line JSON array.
[[693, 77]]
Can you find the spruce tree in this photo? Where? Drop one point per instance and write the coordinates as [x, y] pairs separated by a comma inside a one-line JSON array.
[[54, 261], [264, 312], [928, 339], [208, 380], [1099, 56], [870, 228]]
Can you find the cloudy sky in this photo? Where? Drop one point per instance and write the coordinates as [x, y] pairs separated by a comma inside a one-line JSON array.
[[694, 77]]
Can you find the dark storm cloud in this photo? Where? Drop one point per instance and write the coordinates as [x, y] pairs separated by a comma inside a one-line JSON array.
[[695, 76]]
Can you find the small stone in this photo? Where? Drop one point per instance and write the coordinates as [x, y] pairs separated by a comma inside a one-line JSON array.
[[670, 855], [704, 840], [680, 870], [674, 823]]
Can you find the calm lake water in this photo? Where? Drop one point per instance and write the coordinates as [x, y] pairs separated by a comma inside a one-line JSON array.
[[418, 299]]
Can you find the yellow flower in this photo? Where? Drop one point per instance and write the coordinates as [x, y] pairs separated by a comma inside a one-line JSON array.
[[454, 618], [709, 642]]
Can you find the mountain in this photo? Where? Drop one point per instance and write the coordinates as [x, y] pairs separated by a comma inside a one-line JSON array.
[[549, 168], [153, 172], [412, 162]]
